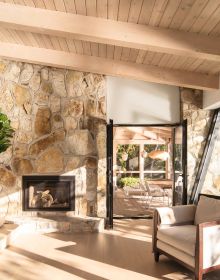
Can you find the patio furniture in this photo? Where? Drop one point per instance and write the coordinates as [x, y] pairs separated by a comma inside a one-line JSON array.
[[140, 190], [154, 192], [180, 231]]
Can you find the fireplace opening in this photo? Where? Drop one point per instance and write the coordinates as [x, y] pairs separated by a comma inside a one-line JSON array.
[[48, 193]]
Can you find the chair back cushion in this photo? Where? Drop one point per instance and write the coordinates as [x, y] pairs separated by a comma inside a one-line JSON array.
[[208, 209]]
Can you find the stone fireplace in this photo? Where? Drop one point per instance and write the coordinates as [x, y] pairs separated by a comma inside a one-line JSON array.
[[48, 193], [59, 120]]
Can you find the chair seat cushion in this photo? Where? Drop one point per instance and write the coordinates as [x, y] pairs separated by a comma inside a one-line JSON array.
[[180, 237]]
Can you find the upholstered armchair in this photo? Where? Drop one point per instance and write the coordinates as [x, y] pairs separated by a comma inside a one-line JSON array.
[[190, 234]]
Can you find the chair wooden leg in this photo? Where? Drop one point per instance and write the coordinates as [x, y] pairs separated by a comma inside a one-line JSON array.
[[156, 256], [198, 275]]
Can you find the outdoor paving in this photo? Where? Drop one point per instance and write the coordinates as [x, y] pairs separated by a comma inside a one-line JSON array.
[[135, 205]]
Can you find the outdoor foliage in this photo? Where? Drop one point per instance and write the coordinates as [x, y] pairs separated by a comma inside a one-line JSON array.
[[129, 182], [132, 151], [6, 132]]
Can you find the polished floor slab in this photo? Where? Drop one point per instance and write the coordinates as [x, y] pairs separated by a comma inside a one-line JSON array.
[[120, 254]]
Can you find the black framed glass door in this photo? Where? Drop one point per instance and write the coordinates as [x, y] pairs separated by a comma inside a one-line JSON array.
[[180, 164]]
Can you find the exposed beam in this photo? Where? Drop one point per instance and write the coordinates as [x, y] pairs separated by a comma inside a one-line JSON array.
[[110, 67], [109, 32]]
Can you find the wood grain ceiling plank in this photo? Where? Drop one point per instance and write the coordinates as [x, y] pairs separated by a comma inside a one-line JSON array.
[[148, 58], [80, 6], [181, 13], [91, 8], [30, 3], [32, 39], [113, 7], [108, 67], [216, 30], [133, 55], [25, 38], [8, 1], [49, 4], [195, 64], [124, 8], [157, 58], [179, 62], [79, 47], [86, 48], [169, 13], [95, 49], [40, 4], [110, 51], [117, 53], [102, 12], [71, 45], [135, 10], [6, 36], [204, 66], [47, 41], [40, 40], [157, 13], [164, 60], [125, 54], [70, 6], [134, 14], [171, 62], [91, 11], [60, 5], [141, 56], [55, 42], [16, 37], [146, 11], [205, 15], [189, 61], [102, 8], [212, 22], [63, 44], [193, 14], [102, 50], [19, 2]]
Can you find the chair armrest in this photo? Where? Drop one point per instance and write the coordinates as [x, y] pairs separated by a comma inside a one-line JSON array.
[[208, 244], [176, 215]]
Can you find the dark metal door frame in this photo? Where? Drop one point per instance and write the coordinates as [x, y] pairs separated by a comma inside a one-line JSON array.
[[109, 173]]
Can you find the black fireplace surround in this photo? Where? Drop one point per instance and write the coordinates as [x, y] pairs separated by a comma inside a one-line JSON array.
[[48, 193]]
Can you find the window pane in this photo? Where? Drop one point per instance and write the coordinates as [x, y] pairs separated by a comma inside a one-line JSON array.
[[154, 164], [129, 162], [155, 176]]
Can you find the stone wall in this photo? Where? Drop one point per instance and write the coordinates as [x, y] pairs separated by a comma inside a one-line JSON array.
[[59, 118], [198, 123]]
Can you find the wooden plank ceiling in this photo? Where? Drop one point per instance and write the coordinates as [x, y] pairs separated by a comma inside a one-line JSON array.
[[193, 16], [142, 135]]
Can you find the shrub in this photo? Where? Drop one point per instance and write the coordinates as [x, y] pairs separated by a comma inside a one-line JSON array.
[[129, 182], [6, 132]]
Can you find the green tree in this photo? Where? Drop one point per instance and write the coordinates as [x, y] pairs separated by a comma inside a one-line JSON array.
[[6, 132]]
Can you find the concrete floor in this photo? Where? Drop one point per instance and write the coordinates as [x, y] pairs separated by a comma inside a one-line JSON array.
[[121, 254]]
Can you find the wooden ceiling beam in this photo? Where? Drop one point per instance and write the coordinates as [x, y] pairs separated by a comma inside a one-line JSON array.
[[109, 32], [110, 67]]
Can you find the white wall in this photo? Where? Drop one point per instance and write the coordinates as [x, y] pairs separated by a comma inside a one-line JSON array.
[[211, 99], [138, 102]]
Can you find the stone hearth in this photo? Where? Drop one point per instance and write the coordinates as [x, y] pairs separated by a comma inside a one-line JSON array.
[[59, 120]]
